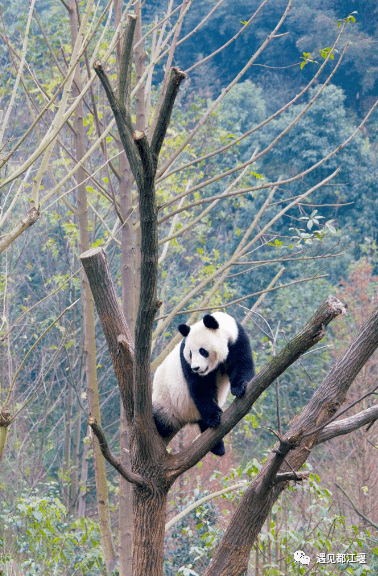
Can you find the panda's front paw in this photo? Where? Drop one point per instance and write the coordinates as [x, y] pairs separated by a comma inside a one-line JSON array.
[[213, 420], [239, 389]]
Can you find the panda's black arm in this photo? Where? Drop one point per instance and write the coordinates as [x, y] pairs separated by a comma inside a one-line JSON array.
[[240, 366], [203, 392]]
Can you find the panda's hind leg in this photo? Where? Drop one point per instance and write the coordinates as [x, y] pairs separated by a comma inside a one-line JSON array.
[[218, 449], [165, 429]]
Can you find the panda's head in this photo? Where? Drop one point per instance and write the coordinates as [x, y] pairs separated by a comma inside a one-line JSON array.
[[206, 342]]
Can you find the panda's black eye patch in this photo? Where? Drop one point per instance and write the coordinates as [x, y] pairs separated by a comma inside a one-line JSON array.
[[204, 352], [190, 354]]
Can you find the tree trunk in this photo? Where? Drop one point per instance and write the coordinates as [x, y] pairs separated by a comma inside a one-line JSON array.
[[67, 448], [5, 420], [125, 514], [74, 493], [82, 495], [149, 532]]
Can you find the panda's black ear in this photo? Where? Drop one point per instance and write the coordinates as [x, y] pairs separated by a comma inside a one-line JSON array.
[[210, 322], [184, 329]]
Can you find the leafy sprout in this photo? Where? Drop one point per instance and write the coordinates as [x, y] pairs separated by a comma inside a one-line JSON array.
[[350, 19]]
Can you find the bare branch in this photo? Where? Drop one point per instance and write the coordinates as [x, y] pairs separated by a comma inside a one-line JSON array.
[[243, 250], [226, 44], [6, 117], [347, 425], [123, 121], [296, 476], [271, 146], [204, 118], [252, 295], [67, 7], [201, 501], [63, 117], [356, 509], [113, 460], [20, 227], [171, 51], [125, 66], [176, 77], [262, 124]]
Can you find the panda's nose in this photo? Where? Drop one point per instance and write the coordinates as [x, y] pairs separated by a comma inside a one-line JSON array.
[[195, 368]]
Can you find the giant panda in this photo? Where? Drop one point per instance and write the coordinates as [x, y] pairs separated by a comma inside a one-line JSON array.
[[192, 383]]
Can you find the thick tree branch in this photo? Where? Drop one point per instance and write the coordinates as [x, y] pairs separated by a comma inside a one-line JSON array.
[[123, 122], [146, 444], [347, 425], [313, 331], [162, 123], [117, 333], [113, 460], [125, 66], [148, 305]]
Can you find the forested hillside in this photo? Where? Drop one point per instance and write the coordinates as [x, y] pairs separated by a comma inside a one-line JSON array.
[[224, 155]]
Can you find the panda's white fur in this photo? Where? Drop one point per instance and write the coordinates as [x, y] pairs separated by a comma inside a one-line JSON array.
[[170, 393], [192, 383]]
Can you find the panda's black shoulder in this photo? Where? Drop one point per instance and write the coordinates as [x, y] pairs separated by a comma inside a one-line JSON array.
[[242, 337], [190, 377], [184, 364], [240, 351]]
